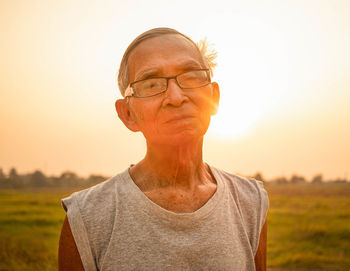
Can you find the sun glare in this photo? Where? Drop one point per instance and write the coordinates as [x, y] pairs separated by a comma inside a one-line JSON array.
[[230, 123], [245, 101], [254, 80]]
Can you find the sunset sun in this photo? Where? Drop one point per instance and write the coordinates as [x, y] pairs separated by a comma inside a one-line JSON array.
[[253, 91]]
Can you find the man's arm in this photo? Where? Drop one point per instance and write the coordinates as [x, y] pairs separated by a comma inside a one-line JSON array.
[[260, 256], [68, 255]]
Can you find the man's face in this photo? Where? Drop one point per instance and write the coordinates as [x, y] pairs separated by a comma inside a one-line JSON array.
[[176, 115]]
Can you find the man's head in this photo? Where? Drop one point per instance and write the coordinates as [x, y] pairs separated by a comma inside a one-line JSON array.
[[181, 112], [123, 75]]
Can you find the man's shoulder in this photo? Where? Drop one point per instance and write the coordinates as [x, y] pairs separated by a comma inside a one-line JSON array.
[[91, 213], [248, 193], [94, 196], [239, 183], [251, 199]]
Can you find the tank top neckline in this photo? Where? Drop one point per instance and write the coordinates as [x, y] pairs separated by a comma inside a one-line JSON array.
[[149, 206]]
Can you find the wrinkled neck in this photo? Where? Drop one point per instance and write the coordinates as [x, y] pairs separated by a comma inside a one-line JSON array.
[[178, 166]]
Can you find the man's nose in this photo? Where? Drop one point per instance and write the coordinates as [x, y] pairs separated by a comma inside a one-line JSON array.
[[174, 94]]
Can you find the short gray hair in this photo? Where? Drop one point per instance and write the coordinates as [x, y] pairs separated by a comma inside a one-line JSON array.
[[208, 55]]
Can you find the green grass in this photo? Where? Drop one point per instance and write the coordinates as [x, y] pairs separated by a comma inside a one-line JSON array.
[[30, 223], [308, 228]]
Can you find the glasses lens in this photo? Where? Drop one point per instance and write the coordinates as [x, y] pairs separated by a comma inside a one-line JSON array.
[[193, 79], [149, 87]]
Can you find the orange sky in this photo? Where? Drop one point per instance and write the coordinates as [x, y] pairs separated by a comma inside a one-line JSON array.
[[283, 69]]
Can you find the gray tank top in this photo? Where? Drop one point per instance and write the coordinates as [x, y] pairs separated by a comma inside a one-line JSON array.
[[116, 227]]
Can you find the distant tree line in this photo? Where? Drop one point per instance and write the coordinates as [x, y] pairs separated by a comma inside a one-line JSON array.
[[38, 179], [69, 179], [297, 179]]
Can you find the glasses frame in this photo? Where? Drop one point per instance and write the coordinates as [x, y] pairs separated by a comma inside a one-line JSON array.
[[129, 92]]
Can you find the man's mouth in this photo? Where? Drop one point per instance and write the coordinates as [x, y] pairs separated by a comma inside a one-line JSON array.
[[179, 118]]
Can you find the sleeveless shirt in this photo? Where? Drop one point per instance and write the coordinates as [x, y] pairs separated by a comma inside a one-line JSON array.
[[116, 227]]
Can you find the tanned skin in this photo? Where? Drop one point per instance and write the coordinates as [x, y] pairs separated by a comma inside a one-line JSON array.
[[261, 253], [69, 258], [68, 255]]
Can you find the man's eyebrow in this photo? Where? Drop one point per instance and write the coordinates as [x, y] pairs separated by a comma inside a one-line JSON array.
[[146, 73], [186, 65], [191, 64]]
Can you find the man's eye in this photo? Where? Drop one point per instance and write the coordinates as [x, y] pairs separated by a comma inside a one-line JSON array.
[[194, 75], [191, 78], [151, 84]]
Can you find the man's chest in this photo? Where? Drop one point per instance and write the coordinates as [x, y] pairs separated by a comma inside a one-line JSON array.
[[146, 242], [182, 201]]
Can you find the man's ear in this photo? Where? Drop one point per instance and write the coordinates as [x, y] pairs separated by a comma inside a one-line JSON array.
[[124, 113], [215, 98]]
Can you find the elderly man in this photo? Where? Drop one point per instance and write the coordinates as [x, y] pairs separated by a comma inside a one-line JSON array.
[[171, 210]]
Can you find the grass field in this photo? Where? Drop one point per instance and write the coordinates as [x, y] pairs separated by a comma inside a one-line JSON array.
[[30, 223], [308, 228]]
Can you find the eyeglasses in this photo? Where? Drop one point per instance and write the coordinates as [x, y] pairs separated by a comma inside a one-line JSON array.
[[157, 85]]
